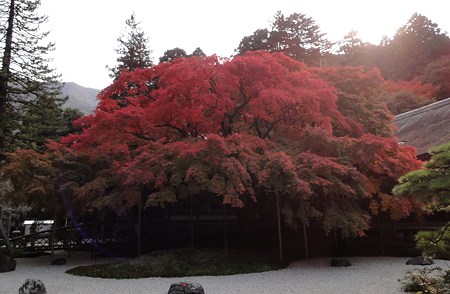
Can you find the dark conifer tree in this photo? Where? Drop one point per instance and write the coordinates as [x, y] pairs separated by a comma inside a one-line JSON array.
[[297, 35], [25, 76], [415, 45], [43, 120], [171, 54], [133, 51], [198, 52]]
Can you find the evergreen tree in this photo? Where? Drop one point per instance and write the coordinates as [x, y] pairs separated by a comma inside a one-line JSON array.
[[415, 45], [260, 40], [431, 183], [69, 116], [198, 52], [132, 52], [353, 51], [171, 54], [44, 120], [297, 35], [25, 76]]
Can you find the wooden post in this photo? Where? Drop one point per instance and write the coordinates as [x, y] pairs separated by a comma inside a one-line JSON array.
[[3, 233], [192, 220], [139, 227], [54, 231], [305, 240], [381, 236], [280, 245], [225, 230]]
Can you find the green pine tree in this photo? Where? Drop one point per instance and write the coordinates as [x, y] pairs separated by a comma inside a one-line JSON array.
[[26, 80], [43, 120], [132, 52], [171, 54], [432, 183], [297, 35]]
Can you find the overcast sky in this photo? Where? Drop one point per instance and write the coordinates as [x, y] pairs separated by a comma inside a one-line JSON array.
[[86, 31]]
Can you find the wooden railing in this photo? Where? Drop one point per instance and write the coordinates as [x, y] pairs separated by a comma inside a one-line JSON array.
[[70, 237]]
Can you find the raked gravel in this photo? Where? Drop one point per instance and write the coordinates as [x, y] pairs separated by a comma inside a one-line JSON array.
[[366, 275]]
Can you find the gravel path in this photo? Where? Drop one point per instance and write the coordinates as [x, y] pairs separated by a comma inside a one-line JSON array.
[[367, 275]]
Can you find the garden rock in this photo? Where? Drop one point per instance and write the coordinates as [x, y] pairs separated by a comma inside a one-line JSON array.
[[186, 288], [420, 260], [7, 263], [59, 261], [339, 262], [32, 286]]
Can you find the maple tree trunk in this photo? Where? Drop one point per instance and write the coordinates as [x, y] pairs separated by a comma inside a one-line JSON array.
[[191, 206], [225, 231], [305, 240], [280, 245]]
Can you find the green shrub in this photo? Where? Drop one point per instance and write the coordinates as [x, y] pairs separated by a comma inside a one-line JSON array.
[[426, 281], [426, 243], [181, 263], [446, 277]]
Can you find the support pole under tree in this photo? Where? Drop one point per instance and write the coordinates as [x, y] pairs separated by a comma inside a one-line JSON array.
[[54, 230], [305, 240], [225, 230], [191, 208], [139, 224], [380, 235], [280, 245], [3, 233]]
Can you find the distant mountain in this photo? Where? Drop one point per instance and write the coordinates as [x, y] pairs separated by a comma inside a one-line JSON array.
[[80, 97]]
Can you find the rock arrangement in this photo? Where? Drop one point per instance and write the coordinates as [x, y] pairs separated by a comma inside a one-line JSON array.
[[32, 286], [340, 262], [420, 260], [186, 288], [7, 263]]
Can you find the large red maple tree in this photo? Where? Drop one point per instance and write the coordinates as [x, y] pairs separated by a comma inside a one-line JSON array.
[[258, 127]]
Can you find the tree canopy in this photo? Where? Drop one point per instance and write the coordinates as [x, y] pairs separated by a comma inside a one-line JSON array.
[[246, 130]]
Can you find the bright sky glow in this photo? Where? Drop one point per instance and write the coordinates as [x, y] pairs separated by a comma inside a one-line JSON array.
[[86, 31]]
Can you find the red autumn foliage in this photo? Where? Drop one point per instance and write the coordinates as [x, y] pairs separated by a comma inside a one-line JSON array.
[[247, 129], [438, 74], [359, 93], [403, 96], [414, 87]]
